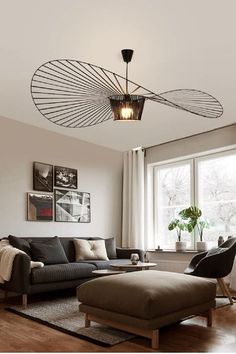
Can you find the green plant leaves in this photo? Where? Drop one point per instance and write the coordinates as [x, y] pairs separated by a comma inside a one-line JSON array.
[[192, 212], [189, 219]]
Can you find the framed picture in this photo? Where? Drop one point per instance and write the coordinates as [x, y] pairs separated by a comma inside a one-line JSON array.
[[39, 207], [72, 206], [65, 177], [42, 177]]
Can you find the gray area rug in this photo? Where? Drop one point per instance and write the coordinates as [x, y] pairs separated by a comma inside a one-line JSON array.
[[63, 314]]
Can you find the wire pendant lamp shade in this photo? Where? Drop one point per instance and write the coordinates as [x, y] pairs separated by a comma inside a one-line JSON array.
[[75, 94], [127, 107]]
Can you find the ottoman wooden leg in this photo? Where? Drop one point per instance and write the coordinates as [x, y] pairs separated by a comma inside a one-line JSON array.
[[155, 339], [87, 321], [209, 318]]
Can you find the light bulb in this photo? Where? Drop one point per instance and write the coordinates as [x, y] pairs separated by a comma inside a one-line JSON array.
[[127, 113]]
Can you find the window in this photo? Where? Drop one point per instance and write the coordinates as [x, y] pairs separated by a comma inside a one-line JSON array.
[[208, 182], [217, 195], [173, 187]]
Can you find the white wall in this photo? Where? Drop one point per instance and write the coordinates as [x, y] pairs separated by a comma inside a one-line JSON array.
[[99, 172], [192, 145]]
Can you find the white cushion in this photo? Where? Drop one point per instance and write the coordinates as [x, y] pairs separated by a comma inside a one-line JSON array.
[[86, 250]]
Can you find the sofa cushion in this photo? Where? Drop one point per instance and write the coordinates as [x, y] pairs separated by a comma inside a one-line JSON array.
[[110, 244], [48, 252], [20, 243], [61, 272], [106, 264], [88, 249]]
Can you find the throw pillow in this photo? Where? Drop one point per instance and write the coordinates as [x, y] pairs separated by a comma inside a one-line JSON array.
[[48, 251], [110, 244], [87, 249], [20, 243]]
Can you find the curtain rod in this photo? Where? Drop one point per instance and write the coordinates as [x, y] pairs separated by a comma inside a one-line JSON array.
[[190, 136]]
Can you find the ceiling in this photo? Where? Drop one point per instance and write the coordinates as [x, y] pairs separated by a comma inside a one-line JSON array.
[[177, 44]]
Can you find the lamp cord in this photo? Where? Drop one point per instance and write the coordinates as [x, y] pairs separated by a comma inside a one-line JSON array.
[[127, 79]]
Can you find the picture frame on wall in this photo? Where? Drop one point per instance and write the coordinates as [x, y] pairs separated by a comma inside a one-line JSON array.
[[39, 206], [42, 177], [72, 206], [65, 177]]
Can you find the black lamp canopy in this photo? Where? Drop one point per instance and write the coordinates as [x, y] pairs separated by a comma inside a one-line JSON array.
[[76, 94]]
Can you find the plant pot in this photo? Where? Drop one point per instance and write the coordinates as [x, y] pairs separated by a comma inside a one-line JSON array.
[[201, 246], [180, 246]]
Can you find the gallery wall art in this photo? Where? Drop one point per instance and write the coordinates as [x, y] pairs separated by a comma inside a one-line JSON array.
[[39, 207], [65, 177], [69, 205], [42, 177], [72, 206]]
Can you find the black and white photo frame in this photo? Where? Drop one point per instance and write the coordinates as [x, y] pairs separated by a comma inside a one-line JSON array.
[[65, 177], [42, 177], [72, 206]]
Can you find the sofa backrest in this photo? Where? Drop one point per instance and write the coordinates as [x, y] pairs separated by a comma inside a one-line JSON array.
[[67, 243]]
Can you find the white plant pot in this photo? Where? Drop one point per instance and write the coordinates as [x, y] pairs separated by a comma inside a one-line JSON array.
[[180, 246], [201, 246]]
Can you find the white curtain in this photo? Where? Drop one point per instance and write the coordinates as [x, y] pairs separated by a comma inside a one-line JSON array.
[[133, 199]]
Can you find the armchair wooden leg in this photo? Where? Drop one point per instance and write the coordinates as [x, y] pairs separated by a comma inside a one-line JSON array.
[[24, 300], [87, 321], [225, 289]]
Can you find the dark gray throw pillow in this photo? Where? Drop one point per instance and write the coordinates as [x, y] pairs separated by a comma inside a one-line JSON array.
[[110, 244], [48, 251], [20, 243]]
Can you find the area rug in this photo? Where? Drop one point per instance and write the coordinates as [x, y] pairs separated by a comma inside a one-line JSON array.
[[63, 314], [222, 301]]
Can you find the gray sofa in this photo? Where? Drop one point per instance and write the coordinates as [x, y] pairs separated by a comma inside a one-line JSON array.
[[26, 281]]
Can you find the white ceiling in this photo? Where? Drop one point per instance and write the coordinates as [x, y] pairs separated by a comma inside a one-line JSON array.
[[177, 44]]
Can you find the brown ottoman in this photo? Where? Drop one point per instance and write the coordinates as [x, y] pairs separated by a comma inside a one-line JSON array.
[[143, 302]]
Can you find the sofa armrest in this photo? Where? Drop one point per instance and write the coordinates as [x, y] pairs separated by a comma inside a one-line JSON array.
[[20, 277], [125, 253]]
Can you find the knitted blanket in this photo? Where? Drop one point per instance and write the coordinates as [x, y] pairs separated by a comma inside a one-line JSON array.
[[7, 256]]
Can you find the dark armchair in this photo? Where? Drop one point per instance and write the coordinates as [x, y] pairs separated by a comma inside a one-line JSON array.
[[215, 264]]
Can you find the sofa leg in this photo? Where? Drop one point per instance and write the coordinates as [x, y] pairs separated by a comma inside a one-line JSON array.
[[5, 296], [24, 300], [155, 339], [87, 321]]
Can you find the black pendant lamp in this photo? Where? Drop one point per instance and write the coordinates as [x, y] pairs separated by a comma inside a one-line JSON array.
[[127, 107]]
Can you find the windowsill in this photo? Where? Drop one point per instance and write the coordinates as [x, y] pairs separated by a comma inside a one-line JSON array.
[[172, 251]]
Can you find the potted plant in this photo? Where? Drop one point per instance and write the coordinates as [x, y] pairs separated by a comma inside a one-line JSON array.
[[180, 226], [193, 215], [201, 225]]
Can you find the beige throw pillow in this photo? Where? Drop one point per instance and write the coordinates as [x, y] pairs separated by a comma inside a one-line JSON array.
[[86, 249]]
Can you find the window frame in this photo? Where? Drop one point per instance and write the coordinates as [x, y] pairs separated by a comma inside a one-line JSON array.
[[156, 169], [152, 190]]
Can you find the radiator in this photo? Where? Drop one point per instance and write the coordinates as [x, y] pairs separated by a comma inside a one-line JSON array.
[[172, 266], [180, 266]]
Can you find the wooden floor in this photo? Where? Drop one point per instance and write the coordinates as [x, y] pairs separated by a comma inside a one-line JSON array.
[[18, 334]]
